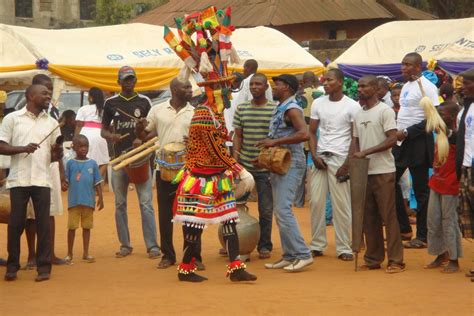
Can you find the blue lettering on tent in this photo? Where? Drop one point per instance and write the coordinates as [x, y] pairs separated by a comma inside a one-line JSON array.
[[244, 53], [152, 52], [465, 42]]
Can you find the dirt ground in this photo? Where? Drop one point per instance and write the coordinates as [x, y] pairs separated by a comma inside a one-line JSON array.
[[133, 285]]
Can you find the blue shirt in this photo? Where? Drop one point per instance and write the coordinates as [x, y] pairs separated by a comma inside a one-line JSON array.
[[82, 176]]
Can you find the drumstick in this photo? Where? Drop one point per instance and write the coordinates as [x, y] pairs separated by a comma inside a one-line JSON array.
[[128, 115], [129, 160], [134, 151], [124, 135], [46, 137]]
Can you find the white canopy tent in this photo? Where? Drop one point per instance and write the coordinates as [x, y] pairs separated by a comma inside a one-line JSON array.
[[91, 56], [448, 42]]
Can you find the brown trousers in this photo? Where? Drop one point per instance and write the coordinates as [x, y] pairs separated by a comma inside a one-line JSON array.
[[379, 210]]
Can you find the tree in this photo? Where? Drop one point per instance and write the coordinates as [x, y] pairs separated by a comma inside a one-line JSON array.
[[444, 9], [109, 12]]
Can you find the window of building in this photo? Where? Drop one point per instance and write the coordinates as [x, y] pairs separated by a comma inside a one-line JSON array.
[[24, 8], [87, 9]]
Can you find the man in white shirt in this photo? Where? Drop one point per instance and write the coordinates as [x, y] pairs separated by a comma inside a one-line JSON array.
[[383, 91], [169, 121], [250, 68], [333, 114], [30, 177], [417, 149]]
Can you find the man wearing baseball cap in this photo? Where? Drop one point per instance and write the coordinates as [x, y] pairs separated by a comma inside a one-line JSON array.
[[288, 129], [125, 110]]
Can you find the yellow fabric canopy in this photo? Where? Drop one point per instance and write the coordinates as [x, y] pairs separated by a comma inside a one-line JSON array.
[[105, 78]]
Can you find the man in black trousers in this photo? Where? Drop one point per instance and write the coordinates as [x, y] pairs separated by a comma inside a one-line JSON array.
[[169, 121], [30, 175], [416, 150]]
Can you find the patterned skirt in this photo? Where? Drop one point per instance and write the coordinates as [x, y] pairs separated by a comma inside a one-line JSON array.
[[204, 196], [466, 214]]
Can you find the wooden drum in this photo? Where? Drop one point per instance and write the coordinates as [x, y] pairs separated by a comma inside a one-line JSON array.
[[171, 160], [275, 159], [4, 207], [139, 171]]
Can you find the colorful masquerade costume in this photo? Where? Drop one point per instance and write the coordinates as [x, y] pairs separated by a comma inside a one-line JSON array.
[[205, 192]]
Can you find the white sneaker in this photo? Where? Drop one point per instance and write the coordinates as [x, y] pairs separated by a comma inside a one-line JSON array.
[[280, 264], [298, 265]]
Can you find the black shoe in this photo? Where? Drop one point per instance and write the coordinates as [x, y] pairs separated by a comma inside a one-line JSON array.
[[3, 262], [10, 276], [242, 275], [316, 253], [43, 277], [191, 277]]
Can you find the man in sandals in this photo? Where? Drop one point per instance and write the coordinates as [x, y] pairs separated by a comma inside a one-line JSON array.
[[374, 135]]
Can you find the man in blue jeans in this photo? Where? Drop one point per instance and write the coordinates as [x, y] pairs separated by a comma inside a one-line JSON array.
[[251, 121], [288, 129], [125, 109]]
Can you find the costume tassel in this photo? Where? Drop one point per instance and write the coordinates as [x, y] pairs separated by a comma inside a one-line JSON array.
[[205, 65], [184, 74], [234, 56]]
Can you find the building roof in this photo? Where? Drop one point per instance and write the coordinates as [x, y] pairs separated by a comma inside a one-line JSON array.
[[281, 12], [413, 13]]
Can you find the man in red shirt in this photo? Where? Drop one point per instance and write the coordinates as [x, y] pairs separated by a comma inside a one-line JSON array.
[[444, 235]]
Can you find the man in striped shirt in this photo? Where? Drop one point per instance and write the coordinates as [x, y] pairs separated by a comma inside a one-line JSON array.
[[251, 123]]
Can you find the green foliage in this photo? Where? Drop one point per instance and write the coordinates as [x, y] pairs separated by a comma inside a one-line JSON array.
[[444, 9], [110, 12]]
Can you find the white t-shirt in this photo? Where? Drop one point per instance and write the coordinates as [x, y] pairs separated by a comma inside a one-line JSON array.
[[370, 127], [229, 116], [88, 113], [468, 136], [387, 99], [244, 94], [335, 123], [411, 112]]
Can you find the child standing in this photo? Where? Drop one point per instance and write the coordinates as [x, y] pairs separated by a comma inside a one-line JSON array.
[[83, 181], [444, 235]]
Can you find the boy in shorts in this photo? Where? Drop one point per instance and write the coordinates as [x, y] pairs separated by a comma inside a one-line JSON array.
[[83, 182]]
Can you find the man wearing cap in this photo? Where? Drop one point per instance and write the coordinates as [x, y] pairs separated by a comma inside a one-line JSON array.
[[333, 114], [125, 109], [288, 129], [465, 157]]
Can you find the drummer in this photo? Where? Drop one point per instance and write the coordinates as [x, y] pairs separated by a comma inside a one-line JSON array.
[[125, 109], [169, 121], [288, 129]]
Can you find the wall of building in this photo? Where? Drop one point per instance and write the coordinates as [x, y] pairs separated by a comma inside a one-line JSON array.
[[50, 14]]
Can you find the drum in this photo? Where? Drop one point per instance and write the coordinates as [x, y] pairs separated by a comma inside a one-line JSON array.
[[171, 160], [4, 207], [139, 171], [275, 159]]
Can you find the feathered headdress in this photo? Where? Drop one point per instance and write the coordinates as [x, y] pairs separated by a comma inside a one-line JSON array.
[[205, 47]]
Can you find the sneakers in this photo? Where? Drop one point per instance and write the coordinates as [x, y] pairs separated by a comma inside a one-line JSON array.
[[123, 252], [280, 264], [154, 253], [298, 265]]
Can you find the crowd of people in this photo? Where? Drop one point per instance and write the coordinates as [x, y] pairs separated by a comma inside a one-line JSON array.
[[313, 119]]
